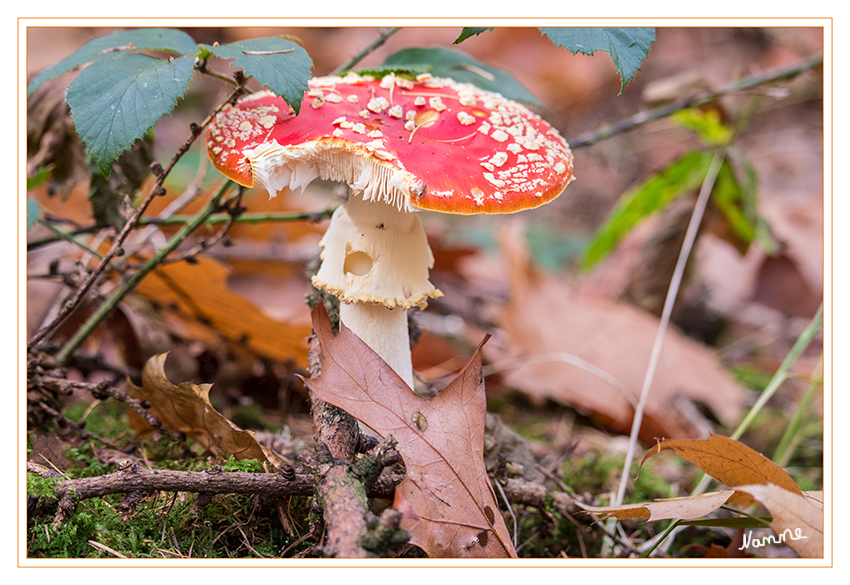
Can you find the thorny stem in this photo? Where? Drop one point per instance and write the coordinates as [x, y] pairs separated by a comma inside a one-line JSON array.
[[131, 223], [133, 280], [666, 110], [380, 40]]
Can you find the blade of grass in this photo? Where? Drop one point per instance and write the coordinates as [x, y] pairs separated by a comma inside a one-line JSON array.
[[670, 300], [793, 432], [781, 374]]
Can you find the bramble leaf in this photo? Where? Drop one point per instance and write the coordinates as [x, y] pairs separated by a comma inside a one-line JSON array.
[[276, 62], [470, 31], [114, 102], [33, 212], [159, 39], [460, 67], [628, 47]]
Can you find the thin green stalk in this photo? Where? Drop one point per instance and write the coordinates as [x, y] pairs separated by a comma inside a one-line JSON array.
[[70, 239], [791, 436], [245, 217], [782, 373], [128, 285], [647, 553]]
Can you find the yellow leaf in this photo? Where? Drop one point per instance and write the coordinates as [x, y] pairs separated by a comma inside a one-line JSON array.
[[728, 461], [200, 290]]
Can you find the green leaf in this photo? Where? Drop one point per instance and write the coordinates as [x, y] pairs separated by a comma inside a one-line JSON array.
[[114, 102], [683, 176], [628, 47], [748, 182], [729, 198], [39, 178], [707, 124], [461, 67], [471, 31], [150, 39], [276, 62], [33, 212]]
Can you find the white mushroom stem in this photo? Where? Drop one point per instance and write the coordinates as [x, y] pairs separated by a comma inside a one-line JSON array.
[[376, 259], [385, 331]]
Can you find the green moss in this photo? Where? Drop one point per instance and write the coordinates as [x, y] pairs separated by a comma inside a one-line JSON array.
[[244, 465], [41, 486]]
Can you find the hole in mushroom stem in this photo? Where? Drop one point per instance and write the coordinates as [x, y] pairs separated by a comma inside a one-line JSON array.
[[357, 263]]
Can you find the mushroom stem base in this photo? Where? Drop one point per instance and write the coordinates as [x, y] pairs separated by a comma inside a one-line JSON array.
[[385, 331]]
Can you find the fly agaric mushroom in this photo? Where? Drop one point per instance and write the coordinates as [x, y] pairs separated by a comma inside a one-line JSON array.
[[401, 145]]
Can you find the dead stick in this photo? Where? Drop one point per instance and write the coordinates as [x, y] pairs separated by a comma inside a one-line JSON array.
[[339, 492]]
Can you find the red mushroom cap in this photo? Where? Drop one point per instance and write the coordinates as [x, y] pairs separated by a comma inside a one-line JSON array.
[[435, 144]]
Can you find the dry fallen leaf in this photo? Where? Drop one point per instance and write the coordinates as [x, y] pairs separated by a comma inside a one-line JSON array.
[[186, 408], [687, 508], [548, 321], [441, 440], [200, 291], [797, 518], [728, 461]]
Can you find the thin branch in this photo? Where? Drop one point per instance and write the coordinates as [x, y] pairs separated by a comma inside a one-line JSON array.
[[380, 40], [118, 244], [666, 110], [129, 284]]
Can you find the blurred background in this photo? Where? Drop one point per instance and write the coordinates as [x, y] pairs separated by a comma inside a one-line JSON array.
[[237, 317]]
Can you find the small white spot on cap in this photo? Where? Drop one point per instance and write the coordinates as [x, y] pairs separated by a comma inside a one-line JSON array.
[[437, 103], [499, 158], [465, 119], [267, 121], [499, 135], [493, 180]]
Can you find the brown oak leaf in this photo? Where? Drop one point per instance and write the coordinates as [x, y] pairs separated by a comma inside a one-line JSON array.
[[441, 440]]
